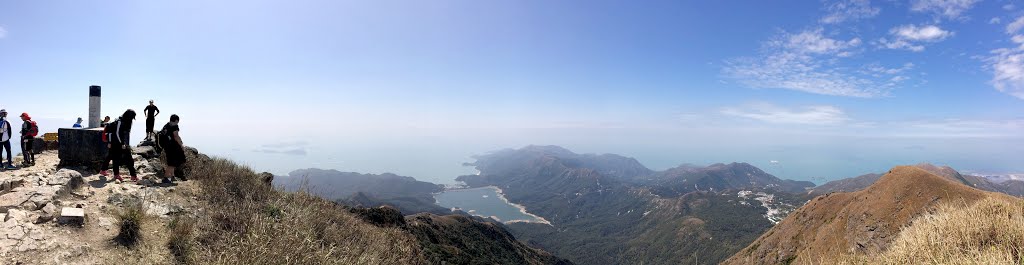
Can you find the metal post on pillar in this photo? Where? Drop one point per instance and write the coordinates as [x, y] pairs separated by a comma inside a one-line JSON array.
[[94, 106]]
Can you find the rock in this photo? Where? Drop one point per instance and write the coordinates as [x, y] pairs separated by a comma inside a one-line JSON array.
[[106, 223], [8, 184], [49, 212], [14, 200], [70, 215], [18, 216], [162, 209], [66, 177], [145, 151], [121, 199]]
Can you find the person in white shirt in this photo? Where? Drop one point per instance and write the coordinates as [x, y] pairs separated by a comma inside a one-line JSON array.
[[5, 141]]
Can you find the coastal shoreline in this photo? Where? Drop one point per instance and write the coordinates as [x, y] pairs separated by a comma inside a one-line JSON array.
[[501, 195]]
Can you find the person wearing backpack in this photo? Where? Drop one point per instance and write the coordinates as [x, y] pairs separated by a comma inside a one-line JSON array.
[[29, 130], [5, 141], [174, 150], [120, 152]]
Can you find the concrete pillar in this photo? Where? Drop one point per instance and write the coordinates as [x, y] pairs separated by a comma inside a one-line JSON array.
[[94, 106]]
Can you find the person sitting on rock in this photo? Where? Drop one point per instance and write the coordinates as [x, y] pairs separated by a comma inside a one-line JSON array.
[[171, 143], [78, 124], [29, 130], [118, 141], [5, 141]]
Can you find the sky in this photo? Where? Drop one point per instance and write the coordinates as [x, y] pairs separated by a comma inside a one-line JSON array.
[[829, 89]]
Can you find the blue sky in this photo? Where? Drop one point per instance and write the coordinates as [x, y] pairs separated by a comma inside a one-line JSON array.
[[830, 89]]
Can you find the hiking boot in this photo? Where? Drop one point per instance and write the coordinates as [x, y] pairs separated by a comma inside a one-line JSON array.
[[135, 179], [10, 167], [118, 178], [104, 173]]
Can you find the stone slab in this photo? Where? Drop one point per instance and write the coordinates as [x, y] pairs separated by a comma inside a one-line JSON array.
[[69, 215]]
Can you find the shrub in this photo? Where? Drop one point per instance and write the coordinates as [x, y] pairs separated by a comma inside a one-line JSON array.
[[129, 221]]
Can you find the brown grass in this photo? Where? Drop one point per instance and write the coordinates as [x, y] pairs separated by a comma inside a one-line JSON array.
[[990, 231], [245, 221]]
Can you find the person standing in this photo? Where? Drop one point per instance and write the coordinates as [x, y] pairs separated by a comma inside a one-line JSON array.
[[151, 111], [5, 141], [174, 149], [78, 124], [29, 130], [106, 120], [118, 141]]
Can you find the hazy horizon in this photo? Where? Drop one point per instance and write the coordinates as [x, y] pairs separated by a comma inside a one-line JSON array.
[[830, 89]]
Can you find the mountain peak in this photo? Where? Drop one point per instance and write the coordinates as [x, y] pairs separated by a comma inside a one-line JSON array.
[[862, 222]]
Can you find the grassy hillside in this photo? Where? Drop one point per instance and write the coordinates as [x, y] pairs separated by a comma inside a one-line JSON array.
[[240, 219], [990, 231]]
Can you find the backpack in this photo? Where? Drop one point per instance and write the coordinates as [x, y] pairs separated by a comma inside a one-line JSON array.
[[164, 138], [33, 129], [111, 128]]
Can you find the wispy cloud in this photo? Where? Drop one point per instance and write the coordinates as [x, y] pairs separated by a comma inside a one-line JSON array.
[[1007, 64], [911, 37], [848, 10], [995, 20], [807, 61], [3, 32], [1015, 26], [285, 147], [813, 42], [809, 115], [950, 9]]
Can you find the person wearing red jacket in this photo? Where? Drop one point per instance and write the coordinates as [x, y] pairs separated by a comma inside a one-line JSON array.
[[29, 130]]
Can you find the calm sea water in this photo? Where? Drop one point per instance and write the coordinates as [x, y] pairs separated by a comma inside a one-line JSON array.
[[486, 202]]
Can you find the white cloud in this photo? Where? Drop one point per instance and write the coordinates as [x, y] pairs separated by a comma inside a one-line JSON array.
[[812, 41], [801, 72], [1007, 64], [809, 62], [1009, 7], [878, 70], [849, 10], [910, 37], [995, 20], [1015, 26], [1008, 71], [3, 32], [813, 115], [952, 9]]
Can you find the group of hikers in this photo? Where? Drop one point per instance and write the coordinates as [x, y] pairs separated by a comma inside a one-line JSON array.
[[116, 135], [29, 130]]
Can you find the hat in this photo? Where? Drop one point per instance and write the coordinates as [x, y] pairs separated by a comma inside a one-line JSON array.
[[3, 110], [25, 115]]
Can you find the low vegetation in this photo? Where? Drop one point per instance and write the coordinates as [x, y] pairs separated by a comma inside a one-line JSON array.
[[990, 231], [245, 221]]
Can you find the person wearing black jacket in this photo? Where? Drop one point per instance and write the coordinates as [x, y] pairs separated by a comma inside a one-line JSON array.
[[120, 151]]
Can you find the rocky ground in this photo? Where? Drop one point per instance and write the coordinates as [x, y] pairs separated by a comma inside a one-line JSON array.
[[32, 198]]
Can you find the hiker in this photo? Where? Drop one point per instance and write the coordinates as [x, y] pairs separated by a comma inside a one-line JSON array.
[[151, 111], [120, 152], [5, 141], [78, 124], [106, 120], [29, 130], [169, 140]]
